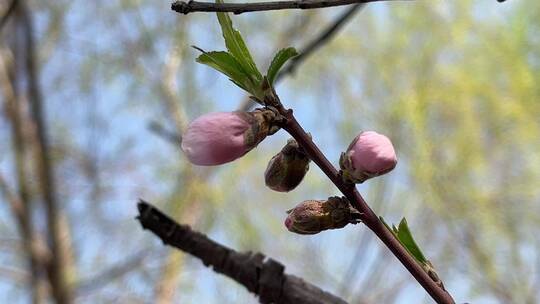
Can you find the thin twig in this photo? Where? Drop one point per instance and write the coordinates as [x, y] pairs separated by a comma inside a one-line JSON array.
[[261, 275], [168, 135], [8, 13], [320, 40], [247, 103], [117, 271], [20, 198], [305, 52], [186, 7], [56, 268]]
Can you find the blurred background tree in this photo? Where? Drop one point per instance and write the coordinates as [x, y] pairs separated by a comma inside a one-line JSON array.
[[94, 95]]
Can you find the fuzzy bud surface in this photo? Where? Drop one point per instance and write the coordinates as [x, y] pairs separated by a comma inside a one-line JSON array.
[[286, 169], [221, 137], [314, 216], [370, 154]]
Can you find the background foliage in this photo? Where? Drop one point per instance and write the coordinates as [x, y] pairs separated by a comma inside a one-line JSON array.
[[454, 84]]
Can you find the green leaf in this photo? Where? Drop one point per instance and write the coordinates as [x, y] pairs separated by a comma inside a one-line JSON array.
[[279, 60], [387, 226], [405, 237], [395, 230], [228, 65], [236, 45]]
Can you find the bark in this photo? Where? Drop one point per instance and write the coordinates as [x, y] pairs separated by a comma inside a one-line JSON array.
[[186, 7], [262, 276]]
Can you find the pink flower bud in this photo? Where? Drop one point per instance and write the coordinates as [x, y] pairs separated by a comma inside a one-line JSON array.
[[286, 169], [218, 138], [370, 154], [314, 216]]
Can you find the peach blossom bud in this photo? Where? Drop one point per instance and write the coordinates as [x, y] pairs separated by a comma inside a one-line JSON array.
[[218, 138], [370, 154], [314, 216], [286, 169]]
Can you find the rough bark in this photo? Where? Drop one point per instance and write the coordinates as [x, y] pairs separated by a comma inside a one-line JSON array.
[[262, 276]]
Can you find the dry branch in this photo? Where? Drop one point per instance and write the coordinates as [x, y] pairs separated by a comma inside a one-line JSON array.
[[57, 266], [263, 276], [9, 11], [186, 7]]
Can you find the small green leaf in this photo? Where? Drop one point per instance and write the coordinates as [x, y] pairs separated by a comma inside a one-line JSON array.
[[236, 45], [279, 60], [228, 65], [395, 230], [387, 226], [405, 237]]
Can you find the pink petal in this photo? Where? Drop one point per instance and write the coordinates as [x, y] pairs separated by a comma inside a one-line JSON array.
[[215, 138], [372, 152], [288, 223]]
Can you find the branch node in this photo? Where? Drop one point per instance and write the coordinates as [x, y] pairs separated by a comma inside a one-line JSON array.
[[271, 281], [261, 275], [182, 7]]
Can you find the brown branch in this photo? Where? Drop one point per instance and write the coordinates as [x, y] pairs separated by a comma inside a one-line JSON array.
[[34, 248], [17, 206], [186, 7], [20, 199], [56, 268], [292, 126], [8, 13], [369, 217], [262, 276]]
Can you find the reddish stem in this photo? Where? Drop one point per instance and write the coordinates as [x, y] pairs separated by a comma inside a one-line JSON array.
[[368, 216]]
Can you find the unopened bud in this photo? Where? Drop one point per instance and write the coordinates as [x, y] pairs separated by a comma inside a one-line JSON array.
[[314, 216], [370, 154], [286, 169], [218, 138]]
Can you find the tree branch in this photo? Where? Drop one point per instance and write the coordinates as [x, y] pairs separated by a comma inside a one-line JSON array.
[[306, 51], [186, 7], [169, 136], [117, 271], [8, 13], [57, 266], [322, 38], [19, 199], [262, 276], [369, 217]]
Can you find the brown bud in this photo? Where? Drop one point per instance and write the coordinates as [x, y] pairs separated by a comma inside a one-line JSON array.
[[286, 169], [262, 123], [314, 216]]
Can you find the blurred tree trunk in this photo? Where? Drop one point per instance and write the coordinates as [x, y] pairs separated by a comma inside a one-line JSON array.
[[20, 200], [58, 263]]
